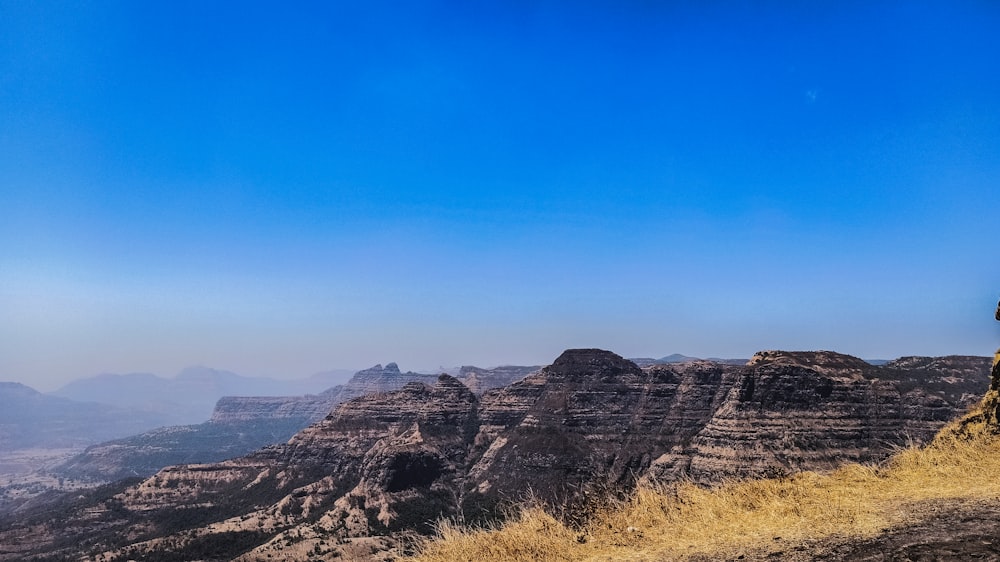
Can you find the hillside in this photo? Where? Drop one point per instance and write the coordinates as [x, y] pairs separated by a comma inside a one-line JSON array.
[[30, 419], [384, 465], [935, 502], [242, 424]]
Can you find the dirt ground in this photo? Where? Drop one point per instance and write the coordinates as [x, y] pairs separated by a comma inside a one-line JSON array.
[[940, 530]]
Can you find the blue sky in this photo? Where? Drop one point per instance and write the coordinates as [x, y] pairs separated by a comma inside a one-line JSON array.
[[282, 190]]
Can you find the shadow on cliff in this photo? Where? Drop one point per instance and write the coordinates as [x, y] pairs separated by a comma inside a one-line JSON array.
[[930, 502]]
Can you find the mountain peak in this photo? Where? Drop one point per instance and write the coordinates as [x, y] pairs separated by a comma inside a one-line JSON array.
[[594, 361], [826, 362]]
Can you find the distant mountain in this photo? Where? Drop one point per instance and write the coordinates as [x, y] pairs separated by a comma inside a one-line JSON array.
[[241, 424], [385, 465], [678, 358], [30, 419], [190, 396]]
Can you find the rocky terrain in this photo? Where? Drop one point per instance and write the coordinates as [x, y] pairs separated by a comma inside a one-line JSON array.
[[480, 380], [242, 424], [827, 408], [392, 462]]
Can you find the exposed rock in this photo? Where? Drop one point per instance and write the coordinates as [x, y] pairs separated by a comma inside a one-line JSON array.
[[395, 461], [235, 409], [242, 424], [817, 410], [589, 417], [480, 380]]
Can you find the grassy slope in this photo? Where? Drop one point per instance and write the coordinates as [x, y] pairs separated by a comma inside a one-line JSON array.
[[755, 516]]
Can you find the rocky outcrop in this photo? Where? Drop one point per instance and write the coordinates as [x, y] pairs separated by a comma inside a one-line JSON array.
[[480, 380], [394, 461], [817, 410], [242, 424], [377, 379], [236, 409], [589, 418]]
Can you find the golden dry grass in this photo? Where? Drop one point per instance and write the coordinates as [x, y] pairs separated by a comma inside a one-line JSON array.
[[677, 521]]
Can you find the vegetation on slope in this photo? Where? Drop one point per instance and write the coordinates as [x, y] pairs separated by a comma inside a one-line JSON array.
[[752, 517]]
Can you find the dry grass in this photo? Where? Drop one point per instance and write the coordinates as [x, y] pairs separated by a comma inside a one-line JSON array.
[[677, 521]]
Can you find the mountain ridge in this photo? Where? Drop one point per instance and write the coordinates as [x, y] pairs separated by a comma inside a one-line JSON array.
[[388, 462]]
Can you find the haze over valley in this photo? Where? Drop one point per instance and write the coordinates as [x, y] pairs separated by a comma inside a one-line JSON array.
[[496, 281]]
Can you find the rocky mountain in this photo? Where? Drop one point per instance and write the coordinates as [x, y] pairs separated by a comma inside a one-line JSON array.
[[592, 421], [29, 419], [242, 424], [817, 410], [480, 380]]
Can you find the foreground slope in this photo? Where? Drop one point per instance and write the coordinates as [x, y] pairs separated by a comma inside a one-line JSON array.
[[390, 463], [936, 502]]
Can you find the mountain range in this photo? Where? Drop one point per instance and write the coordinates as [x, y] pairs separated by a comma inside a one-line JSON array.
[[241, 424], [386, 464], [190, 396], [30, 419]]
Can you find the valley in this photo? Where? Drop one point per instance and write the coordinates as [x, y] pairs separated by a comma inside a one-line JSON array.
[[384, 465]]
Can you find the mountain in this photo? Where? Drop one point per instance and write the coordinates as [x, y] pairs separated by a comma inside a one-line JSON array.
[[29, 419], [242, 424], [393, 462], [191, 395], [678, 358]]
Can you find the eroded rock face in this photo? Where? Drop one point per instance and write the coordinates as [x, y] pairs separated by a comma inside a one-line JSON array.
[[817, 410], [480, 380], [235, 409], [242, 424], [590, 417], [392, 461]]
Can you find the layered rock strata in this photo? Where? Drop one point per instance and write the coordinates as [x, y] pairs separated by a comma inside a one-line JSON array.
[[796, 411], [396, 461], [242, 424]]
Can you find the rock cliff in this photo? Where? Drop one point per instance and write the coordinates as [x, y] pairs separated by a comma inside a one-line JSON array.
[[817, 410], [396, 461], [242, 424]]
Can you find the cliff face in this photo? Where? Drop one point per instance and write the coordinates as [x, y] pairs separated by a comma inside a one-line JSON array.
[[233, 409], [242, 424], [590, 417], [480, 380], [796, 411], [392, 461]]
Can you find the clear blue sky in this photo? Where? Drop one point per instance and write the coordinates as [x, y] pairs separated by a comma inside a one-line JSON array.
[[281, 190]]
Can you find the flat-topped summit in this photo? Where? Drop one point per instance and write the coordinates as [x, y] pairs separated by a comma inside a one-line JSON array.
[[591, 362], [395, 461], [824, 362]]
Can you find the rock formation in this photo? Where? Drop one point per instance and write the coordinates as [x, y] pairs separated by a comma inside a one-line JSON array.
[[395, 461], [242, 424], [817, 410]]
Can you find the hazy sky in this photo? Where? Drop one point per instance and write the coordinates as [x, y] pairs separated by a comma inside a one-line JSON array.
[[278, 191]]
